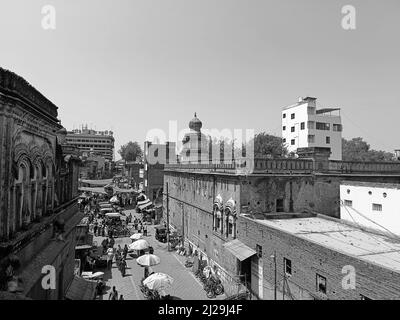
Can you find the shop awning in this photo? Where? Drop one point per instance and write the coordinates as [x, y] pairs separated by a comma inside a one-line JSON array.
[[94, 190], [239, 249], [81, 289], [83, 247], [103, 182]]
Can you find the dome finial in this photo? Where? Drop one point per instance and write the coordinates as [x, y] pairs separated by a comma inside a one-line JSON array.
[[195, 115]]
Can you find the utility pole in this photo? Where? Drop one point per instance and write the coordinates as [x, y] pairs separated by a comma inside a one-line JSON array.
[[274, 257], [183, 225], [168, 218]]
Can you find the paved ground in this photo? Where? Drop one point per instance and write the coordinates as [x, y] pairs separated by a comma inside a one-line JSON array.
[[185, 286]]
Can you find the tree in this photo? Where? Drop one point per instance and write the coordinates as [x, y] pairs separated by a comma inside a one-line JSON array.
[[130, 151], [358, 150], [267, 145]]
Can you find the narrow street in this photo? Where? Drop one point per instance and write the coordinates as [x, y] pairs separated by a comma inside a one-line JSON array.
[[185, 286]]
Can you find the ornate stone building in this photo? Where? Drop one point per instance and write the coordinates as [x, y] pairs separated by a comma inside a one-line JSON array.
[[38, 186]]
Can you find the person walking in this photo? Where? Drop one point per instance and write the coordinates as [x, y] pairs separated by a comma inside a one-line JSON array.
[[125, 251], [123, 267], [111, 242], [110, 257], [113, 294]]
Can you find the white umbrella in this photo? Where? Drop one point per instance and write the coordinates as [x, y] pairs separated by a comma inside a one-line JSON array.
[[113, 215], [136, 236], [148, 260], [158, 281], [114, 199], [140, 244]]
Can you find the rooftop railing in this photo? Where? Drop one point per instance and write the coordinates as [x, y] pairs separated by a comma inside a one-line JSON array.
[[289, 166]]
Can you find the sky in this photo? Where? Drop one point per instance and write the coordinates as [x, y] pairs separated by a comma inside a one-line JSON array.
[[133, 65]]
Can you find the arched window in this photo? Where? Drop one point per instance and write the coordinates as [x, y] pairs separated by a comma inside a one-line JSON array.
[[21, 193], [230, 215], [217, 213]]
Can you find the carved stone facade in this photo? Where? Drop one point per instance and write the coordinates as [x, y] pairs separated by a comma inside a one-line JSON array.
[[38, 171]]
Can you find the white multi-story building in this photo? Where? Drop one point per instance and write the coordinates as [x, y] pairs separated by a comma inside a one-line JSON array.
[[304, 126], [371, 204]]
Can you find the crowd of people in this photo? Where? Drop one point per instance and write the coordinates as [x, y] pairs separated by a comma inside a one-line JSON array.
[[102, 226]]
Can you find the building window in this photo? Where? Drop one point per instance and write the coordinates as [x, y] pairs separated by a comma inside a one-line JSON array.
[[376, 207], [302, 125], [328, 140], [337, 127], [322, 126], [259, 250], [284, 128], [292, 129], [288, 266], [384, 194], [292, 142], [280, 205], [310, 124], [348, 203], [321, 284], [292, 116], [311, 138], [284, 115], [284, 140]]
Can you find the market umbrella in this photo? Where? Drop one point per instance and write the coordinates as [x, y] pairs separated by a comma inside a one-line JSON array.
[[158, 281], [114, 199], [136, 236], [113, 215], [148, 260], [140, 244]]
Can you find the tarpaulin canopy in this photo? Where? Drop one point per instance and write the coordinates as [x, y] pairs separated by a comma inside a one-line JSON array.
[[81, 289], [94, 190], [103, 182], [120, 190]]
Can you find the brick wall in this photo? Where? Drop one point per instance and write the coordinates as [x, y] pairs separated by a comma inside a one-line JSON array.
[[308, 259]]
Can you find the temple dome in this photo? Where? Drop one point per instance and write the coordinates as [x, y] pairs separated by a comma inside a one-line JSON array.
[[195, 124]]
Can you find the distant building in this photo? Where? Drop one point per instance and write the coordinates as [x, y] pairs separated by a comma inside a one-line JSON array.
[[155, 157], [132, 171], [397, 154], [97, 142], [303, 126], [371, 204], [95, 167]]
